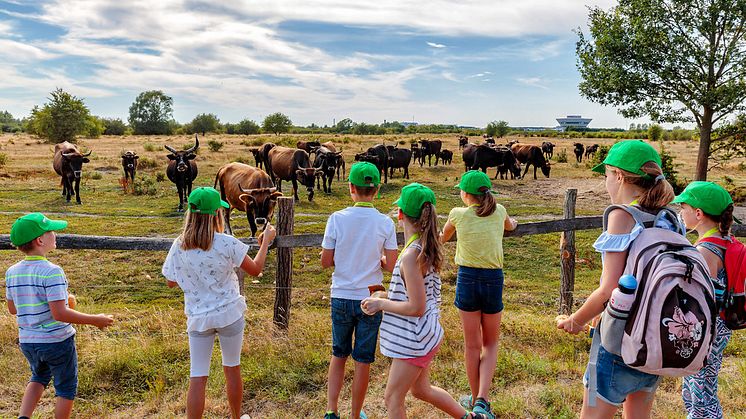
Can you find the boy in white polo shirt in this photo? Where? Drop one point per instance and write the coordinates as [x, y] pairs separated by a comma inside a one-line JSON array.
[[359, 242]]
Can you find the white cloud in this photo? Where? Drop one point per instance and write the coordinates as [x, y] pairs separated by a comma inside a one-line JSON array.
[[450, 76], [533, 82], [434, 45]]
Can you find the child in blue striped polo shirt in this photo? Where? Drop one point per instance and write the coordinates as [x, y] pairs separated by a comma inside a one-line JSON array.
[[36, 290]]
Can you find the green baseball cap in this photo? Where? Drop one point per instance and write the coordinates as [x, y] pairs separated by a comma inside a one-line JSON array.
[[365, 174], [31, 226], [206, 200], [474, 180], [630, 155], [412, 197], [707, 196]]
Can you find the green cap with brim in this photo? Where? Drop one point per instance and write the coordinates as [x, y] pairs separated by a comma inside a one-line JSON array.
[[413, 197], [473, 181], [365, 174], [206, 200], [31, 226], [631, 156], [710, 197]]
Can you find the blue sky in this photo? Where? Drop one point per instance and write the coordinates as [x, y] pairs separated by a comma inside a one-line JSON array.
[[466, 62]]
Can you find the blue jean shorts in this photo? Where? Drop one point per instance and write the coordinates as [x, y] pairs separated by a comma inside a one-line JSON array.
[[479, 289], [57, 360], [615, 379], [348, 319]]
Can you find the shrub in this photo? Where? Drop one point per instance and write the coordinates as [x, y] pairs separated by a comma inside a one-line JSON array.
[[214, 145], [244, 160], [669, 170], [147, 163], [599, 156], [247, 127], [145, 185], [95, 175], [150, 147], [3, 159], [160, 177], [562, 156], [253, 142], [114, 126]]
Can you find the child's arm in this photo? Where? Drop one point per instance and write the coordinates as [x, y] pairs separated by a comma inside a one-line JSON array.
[[415, 283], [510, 224], [255, 266], [620, 222], [388, 261], [713, 261], [327, 258], [447, 232], [12, 307], [62, 313]]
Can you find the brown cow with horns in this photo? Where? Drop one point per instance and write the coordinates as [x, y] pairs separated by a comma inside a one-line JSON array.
[[68, 163]]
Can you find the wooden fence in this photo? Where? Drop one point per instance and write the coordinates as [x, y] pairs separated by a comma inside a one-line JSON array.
[[286, 241]]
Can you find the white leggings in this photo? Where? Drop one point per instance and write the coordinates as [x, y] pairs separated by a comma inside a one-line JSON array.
[[201, 344]]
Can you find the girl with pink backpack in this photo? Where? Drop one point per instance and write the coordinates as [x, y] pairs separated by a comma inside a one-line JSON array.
[[636, 186]]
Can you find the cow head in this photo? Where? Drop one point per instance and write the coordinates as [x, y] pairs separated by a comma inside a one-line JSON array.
[[182, 157], [260, 201], [129, 159], [516, 170], [75, 161], [545, 168], [307, 176], [255, 151]]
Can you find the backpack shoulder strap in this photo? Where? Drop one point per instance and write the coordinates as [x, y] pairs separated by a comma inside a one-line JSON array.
[[641, 217], [717, 241]]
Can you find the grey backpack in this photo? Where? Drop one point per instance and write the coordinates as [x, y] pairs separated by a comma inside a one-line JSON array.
[[671, 324]]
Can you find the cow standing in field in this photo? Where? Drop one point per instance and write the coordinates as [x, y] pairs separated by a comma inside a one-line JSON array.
[[400, 158], [68, 163], [258, 156], [129, 164], [489, 140], [579, 149], [462, 141], [548, 149], [341, 161], [446, 156], [498, 157], [467, 156], [531, 155], [246, 189], [416, 153], [327, 162], [293, 165], [590, 150], [182, 170], [429, 149], [264, 149], [378, 155]]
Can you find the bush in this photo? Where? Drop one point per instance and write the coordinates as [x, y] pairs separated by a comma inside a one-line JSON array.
[[598, 157], [114, 126], [669, 170], [145, 185], [244, 160], [655, 132], [214, 145], [3, 159], [147, 163], [61, 119], [94, 127], [254, 142], [160, 177], [95, 175], [150, 147], [247, 127], [562, 156]]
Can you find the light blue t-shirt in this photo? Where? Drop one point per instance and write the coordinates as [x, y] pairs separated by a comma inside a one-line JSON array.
[[31, 284]]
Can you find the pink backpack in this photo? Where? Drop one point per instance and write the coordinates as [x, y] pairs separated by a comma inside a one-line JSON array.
[[671, 324]]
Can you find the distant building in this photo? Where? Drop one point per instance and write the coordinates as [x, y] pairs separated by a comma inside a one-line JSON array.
[[406, 124], [574, 121]]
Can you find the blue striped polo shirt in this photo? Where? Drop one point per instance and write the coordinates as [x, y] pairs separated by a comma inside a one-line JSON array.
[[31, 284]]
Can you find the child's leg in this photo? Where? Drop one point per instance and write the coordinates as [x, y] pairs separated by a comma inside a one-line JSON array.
[[638, 405], [335, 379], [602, 410], [402, 376], [436, 396], [200, 352], [63, 408], [359, 387], [195, 407], [231, 342], [488, 361], [472, 325], [343, 326], [234, 389], [364, 353], [31, 398]]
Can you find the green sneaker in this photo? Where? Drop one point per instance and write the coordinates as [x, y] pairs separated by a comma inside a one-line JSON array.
[[331, 415], [482, 407], [466, 403]]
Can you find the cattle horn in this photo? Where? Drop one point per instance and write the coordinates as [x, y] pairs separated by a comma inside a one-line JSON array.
[[171, 149], [244, 190], [272, 190], [196, 144], [68, 155], [88, 153]]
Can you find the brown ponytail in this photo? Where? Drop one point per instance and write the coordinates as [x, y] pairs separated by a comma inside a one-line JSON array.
[[486, 201], [199, 230], [656, 193], [432, 248], [724, 220]]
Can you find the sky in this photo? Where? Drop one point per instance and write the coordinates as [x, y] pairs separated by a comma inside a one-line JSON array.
[[464, 62]]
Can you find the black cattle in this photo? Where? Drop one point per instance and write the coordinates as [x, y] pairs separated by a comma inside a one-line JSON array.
[[429, 149], [327, 161], [468, 156], [378, 155], [258, 156], [182, 170], [264, 150], [531, 155], [308, 146], [489, 140], [486, 156], [579, 148], [591, 150], [416, 153], [129, 164], [399, 158], [293, 165], [68, 163], [462, 141], [446, 156], [548, 149]]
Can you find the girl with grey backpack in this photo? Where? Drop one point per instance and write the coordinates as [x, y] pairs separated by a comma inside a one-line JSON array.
[[669, 325]]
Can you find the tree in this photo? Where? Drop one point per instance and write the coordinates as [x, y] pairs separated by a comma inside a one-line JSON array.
[[343, 127], [247, 127], [94, 127], [729, 141], [60, 119], [655, 132], [674, 61], [204, 123], [151, 113], [114, 126], [276, 123], [497, 128], [8, 123]]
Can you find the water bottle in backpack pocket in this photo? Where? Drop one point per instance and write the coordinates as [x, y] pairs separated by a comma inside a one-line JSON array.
[[614, 318]]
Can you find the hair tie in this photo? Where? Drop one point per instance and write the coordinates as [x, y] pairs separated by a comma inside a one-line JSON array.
[[660, 178]]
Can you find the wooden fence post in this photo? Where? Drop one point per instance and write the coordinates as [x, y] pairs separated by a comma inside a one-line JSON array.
[[567, 256], [284, 275]]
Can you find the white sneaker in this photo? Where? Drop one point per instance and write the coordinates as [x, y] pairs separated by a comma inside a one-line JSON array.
[[245, 417]]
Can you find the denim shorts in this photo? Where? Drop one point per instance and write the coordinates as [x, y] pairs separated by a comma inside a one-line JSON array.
[[615, 379], [479, 289], [348, 319], [57, 360]]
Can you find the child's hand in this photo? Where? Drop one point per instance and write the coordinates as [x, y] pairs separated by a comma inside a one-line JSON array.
[[103, 321], [566, 323], [371, 305], [268, 234]]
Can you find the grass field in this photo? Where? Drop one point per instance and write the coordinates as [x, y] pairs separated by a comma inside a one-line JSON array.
[[139, 367]]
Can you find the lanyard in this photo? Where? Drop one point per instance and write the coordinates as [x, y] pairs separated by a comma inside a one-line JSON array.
[[35, 258], [709, 233], [364, 204], [634, 202], [414, 237]]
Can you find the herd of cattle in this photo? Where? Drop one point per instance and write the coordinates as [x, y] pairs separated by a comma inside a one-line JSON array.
[[254, 190]]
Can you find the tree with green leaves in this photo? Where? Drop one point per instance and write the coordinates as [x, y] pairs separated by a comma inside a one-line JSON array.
[[247, 127], [204, 123], [671, 60], [344, 126], [497, 128], [655, 132], [114, 126], [277, 123], [8, 123], [60, 119], [151, 113]]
